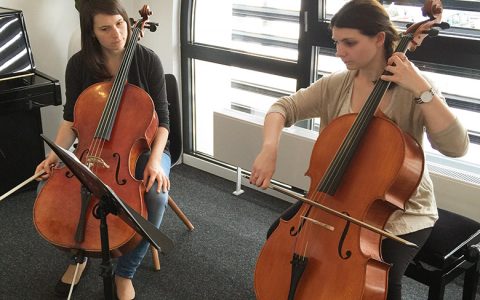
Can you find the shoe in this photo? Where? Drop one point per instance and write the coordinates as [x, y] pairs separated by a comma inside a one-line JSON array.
[[116, 298], [115, 294], [62, 289]]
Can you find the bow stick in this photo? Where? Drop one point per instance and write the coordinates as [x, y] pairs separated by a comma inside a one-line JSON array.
[[33, 177], [338, 214]]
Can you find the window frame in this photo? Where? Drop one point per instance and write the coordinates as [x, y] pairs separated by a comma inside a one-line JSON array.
[[458, 56]]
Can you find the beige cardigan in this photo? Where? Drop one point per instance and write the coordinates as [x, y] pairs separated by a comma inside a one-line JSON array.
[[330, 97]]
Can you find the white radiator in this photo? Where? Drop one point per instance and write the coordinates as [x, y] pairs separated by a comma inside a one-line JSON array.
[[237, 141]]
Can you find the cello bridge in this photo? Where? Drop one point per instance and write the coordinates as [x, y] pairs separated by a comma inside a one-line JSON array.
[[96, 161], [326, 226]]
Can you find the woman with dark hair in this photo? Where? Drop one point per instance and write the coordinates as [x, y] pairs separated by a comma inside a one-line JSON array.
[[365, 39], [105, 31]]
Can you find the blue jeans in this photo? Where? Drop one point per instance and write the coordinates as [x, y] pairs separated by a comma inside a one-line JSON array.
[[156, 204]]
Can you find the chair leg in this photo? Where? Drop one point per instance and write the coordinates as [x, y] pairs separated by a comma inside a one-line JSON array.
[[471, 282], [185, 220], [436, 290], [180, 213], [156, 260]]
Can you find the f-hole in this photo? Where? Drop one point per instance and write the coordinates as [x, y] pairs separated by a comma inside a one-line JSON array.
[[117, 170], [348, 253]]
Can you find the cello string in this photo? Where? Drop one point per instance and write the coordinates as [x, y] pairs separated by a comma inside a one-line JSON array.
[[120, 81], [363, 119], [333, 171], [301, 240], [116, 92], [113, 102], [118, 86], [348, 146], [109, 113]]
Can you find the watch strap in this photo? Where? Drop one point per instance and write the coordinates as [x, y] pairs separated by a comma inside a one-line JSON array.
[[419, 100]]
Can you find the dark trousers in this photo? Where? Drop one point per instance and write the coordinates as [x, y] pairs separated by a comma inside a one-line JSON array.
[[399, 256], [394, 253]]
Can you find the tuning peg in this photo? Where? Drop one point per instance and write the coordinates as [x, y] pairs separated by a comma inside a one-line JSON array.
[[443, 25], [152, 26], [432, 32]]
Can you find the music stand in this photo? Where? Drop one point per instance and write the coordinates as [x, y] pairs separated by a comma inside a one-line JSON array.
[[109, 202]]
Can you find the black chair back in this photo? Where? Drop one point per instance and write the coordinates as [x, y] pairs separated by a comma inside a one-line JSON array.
[[175, 135]]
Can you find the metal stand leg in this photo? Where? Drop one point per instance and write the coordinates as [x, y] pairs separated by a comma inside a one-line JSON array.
[[239, 190], [106, 267]]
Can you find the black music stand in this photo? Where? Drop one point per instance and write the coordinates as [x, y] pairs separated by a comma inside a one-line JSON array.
[[109, 202]]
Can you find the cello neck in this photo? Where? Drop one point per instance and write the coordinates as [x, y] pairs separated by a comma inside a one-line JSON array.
[[381, 86], [107, 119]]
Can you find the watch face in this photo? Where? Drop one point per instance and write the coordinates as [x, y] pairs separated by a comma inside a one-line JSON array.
[[426, 96]]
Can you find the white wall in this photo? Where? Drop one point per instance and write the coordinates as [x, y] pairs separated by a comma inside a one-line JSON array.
[[166, 40], [52, 23]]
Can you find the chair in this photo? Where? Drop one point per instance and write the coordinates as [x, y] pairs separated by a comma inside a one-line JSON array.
[[176, 148], [452, 249]]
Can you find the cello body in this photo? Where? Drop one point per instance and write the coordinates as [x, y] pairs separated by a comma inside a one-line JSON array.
[[57, 210], [344, 262]]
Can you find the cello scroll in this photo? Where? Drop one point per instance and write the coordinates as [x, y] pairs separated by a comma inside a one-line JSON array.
[[145, 12], [432, 9]]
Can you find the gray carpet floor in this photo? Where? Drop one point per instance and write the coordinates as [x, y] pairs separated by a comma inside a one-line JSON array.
[[215, 261]]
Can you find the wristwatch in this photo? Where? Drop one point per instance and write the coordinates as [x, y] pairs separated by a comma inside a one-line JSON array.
[[426, 96]]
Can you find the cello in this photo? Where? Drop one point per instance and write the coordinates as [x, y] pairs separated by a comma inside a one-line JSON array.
[[318, 253], [114, 122]]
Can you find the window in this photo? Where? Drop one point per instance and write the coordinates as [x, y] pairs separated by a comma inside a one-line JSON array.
[[444, 59], [463, 16], [244, 54], [270, 29], [226, 46], [219, 87]]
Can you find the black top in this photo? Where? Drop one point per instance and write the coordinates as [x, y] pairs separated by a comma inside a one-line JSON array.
[[146, 72]]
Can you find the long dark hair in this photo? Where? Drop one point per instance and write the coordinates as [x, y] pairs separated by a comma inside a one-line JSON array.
[[370, 18], [91, 48]]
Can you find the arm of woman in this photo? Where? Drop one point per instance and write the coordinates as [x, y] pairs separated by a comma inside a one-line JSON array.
[[264, 164], [404, 73], [157, 90], [444, 129], [153, 170], [65, 138], [304, 104]]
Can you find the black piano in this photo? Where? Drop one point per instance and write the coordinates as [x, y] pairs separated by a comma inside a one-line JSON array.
[[23, 91]]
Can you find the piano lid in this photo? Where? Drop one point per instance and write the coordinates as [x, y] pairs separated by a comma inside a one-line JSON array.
[[27, 93], [16, 57]]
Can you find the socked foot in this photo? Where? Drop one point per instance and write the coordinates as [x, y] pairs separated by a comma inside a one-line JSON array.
[[125, 290], [70, 272]]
